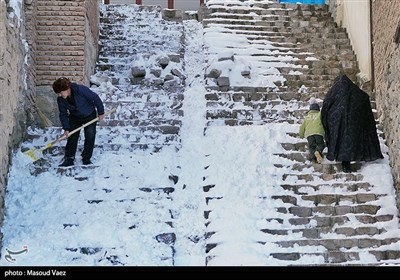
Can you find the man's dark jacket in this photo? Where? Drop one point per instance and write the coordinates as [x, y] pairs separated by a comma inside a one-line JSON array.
[[350, 131], [86, 101]]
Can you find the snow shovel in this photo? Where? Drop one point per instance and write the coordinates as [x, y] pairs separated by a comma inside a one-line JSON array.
[[35, 153]]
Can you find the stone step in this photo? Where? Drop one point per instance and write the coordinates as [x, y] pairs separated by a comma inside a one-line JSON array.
[[290, 39], [311, 233], [334, 253], [145, 100], [113, 10], [302, 81], [318, 177], [327, 198], [300, 154], [236, 122], [301, 42], [269, 8], [129, 48], [163, 126], [347, 187], [239, 94], [339, 257], [297, 84], [331, 221], [137, 99], [111, 255], [56, 151], [129, 134], [295, 60], [327, 167], [147, 115], [329, 73], [120, 28], [301, 146], [123, 65], [269, 15], [267, 115], [255, 96], [335, 244], [280, 93], [138, 41], [51, 133], [138, 138], [304, 212], [277, 29], [224, 104], [266, 21]]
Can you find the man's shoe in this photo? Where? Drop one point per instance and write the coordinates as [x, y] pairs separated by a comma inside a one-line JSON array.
[[86, 162], [67, 162], [318, 156]]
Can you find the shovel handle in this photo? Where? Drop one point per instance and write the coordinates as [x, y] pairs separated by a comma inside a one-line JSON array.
[[79, 128]]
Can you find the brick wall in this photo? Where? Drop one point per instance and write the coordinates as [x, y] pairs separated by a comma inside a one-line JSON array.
[[13, 91], [386, 54], [67, 45], [60, 40]]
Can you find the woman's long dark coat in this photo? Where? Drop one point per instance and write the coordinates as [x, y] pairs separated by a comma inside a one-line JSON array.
[[350, 131]]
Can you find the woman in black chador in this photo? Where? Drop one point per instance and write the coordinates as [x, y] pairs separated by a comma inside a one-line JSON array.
[[350, 131]]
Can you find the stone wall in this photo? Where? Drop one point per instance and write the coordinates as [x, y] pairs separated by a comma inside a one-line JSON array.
[[91, 39], [386, 61], [13, 90], [31, 34]]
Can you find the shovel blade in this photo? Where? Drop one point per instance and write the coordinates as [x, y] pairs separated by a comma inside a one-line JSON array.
[[34, 154]]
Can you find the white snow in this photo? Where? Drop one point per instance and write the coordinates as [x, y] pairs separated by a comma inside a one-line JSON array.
[[50, 212]]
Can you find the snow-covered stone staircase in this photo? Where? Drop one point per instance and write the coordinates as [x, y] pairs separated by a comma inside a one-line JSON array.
[[147, 120], [297, 48], [148, 104], [317, 214]]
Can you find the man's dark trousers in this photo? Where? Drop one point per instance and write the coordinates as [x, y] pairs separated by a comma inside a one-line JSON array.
[[90, 136]]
